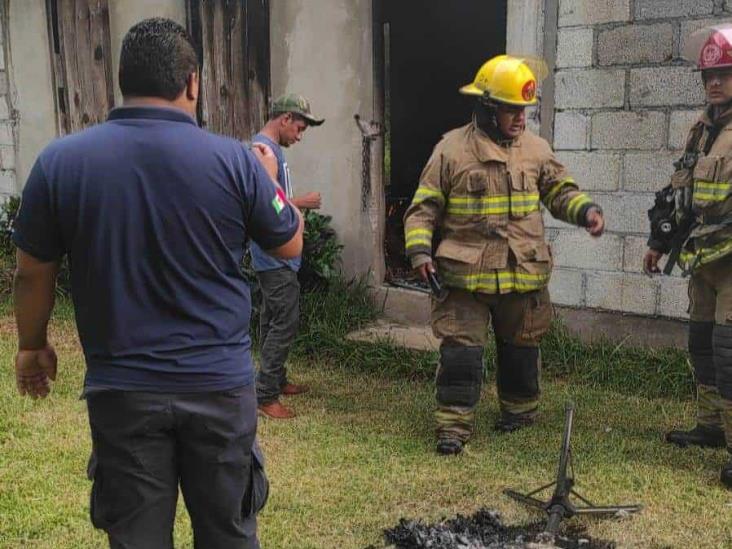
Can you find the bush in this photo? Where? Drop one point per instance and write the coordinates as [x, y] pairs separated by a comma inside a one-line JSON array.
[[321, 253], [8, 213], [320, 262]]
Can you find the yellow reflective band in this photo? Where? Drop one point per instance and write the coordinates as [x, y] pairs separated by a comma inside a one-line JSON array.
[[498, 280], [494, 205], [420, 232], [423, 193], [705, 255], [575, 205], [418, 241], [551, 195], [710, 191], [418, 237]]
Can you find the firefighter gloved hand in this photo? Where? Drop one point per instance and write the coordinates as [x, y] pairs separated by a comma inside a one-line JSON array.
[[595, 224], [34, 369], [650, 262]]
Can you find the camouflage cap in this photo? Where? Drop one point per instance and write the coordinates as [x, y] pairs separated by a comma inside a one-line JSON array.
[[297, 104]]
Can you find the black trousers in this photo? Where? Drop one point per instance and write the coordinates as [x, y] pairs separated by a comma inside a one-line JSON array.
[[146, 444]]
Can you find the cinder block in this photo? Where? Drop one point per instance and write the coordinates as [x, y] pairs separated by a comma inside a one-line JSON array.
[[643, 130], [593, 171], [7, 182], [6, 133], [665, 86], [633, 251], [656, 9], [571, 130], [648, 172], [589, 88], [625, 212], [574, 47], [7, 158], [681, 123], [581, 12], [576, 248], [627, 292], [688, 27], [635, 44], [566, 287], [674, 299]]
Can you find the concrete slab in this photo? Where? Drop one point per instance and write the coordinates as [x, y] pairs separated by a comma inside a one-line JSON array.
[[412, 337]]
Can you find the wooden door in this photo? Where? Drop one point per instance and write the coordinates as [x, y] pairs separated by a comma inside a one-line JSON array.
[[81, 62], [233, 40]]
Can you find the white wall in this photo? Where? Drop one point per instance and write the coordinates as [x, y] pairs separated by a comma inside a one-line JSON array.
[[30, 76], [323, 50]]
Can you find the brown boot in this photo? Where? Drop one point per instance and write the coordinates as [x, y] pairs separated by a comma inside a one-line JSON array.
[[290, 389], [276, 410]]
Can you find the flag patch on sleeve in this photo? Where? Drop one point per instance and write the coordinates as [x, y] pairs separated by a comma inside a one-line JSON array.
[[278, 202]]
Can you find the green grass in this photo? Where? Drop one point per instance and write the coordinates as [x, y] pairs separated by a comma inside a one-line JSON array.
[[359, 456]]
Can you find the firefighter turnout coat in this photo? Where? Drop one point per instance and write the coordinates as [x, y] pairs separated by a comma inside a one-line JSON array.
[[481, 201]]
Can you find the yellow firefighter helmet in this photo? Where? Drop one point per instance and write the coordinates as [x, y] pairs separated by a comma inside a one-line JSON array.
[[508, 79], [483, 77]]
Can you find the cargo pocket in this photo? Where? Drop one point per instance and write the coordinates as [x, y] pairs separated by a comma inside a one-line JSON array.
[[257, 492], [524, 197], [111, 501], [483, 204], [537, 318], [458, 263], [711, 185]]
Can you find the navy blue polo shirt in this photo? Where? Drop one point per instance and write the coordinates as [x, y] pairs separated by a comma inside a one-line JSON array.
[[154, 214]]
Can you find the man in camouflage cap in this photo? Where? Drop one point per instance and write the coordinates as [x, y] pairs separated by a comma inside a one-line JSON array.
[[290, 117], [295, 104]]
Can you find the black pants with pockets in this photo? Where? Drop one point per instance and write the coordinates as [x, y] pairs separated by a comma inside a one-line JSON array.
[[146, 444]]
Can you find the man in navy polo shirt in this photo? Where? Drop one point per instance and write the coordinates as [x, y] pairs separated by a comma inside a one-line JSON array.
[[280, 314], [154, 214]]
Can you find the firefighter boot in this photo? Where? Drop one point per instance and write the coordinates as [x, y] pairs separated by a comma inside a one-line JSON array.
[[459, 378], [518, 386], [708, 431]]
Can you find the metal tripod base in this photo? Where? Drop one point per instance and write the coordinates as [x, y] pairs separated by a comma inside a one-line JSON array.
[[560, 506]]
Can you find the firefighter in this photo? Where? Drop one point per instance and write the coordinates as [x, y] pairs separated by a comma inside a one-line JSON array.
[[704, 175], [481, 192]]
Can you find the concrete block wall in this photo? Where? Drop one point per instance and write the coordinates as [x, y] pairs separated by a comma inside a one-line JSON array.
[[624, 102]]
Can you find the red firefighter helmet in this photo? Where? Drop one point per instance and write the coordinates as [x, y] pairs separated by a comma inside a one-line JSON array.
[[710, 47]]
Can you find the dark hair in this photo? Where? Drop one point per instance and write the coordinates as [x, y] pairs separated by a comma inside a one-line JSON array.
[[156, 60]]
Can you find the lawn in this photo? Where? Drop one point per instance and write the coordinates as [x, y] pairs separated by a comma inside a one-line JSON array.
[[359, 456]]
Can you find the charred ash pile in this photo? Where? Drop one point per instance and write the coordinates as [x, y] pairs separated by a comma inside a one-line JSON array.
[[484, 530]]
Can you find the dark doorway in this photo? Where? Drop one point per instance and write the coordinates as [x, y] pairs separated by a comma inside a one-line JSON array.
[[430, 48]]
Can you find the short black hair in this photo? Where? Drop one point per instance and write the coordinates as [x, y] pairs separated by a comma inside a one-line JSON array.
[[156, 60]]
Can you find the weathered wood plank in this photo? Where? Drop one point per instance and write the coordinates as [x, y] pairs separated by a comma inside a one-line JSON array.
[[234, 39], [82, 64]]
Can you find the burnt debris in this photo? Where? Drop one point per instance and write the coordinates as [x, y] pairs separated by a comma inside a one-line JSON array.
[[484, 530]]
